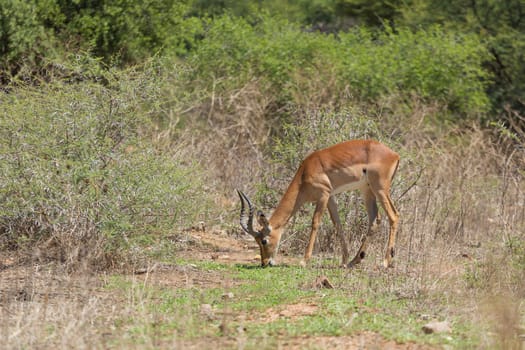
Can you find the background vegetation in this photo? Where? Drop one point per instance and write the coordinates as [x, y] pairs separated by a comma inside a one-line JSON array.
[[122, 123]]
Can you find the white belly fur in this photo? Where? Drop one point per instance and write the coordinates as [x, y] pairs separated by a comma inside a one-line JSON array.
[[350, 186]]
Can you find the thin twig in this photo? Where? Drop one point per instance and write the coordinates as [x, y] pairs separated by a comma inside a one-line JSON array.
[[412, 184]]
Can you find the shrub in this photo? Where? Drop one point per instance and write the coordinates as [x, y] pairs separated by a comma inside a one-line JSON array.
[[24, 39], [79, 177], [34, 32], [129, 29], [433, 64]]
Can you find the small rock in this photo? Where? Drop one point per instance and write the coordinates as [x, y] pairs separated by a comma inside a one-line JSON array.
[[223, 328], [207, 311], [437, 327], [144, 270], [466, 256], [323, 282], [227, 296]]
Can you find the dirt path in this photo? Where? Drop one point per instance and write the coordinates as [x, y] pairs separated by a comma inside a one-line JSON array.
[[218, 246]]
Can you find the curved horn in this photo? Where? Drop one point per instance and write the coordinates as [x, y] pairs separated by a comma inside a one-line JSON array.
[[246, 222]]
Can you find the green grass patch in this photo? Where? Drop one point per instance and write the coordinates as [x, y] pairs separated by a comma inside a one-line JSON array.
[[361, 301]]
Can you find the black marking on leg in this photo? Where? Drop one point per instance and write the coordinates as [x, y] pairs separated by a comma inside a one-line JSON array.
[[364, 171], [392, 252], [362, 255]]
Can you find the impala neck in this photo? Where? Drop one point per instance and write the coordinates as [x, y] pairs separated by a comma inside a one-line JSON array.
[[289, 204]]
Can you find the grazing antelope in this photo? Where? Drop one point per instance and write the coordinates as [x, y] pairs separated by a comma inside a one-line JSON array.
[[366, 165]]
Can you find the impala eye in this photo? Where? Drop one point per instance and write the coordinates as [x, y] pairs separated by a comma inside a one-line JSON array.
[[264, 241]]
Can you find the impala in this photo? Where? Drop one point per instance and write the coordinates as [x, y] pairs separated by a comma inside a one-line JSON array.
[[366, 165]]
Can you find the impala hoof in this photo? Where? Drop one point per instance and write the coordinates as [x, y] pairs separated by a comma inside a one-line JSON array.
[[387, 264], [302, 263], [353, 264]]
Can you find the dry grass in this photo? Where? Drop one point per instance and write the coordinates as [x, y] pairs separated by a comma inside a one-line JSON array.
[[43, 307], [229, 133], [461, 196], [459, 224]]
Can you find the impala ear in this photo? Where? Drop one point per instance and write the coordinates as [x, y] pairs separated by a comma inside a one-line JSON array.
[[263, 221]]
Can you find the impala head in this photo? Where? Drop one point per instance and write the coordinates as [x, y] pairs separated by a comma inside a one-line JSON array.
[[265, 237]]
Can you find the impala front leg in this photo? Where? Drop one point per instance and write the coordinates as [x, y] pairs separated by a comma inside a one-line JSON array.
[[316, 221]]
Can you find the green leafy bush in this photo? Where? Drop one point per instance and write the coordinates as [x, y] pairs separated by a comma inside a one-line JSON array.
[[498, 24], [34, 32], [432, 64], [272, 48], [24, 38], [130, 29], [79, 178], [229, 51]]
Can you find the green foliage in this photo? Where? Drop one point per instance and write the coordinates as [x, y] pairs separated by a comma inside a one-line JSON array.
[[24, 37], [125, 30], [274, 45], [433, 64], [324, 15], [499, 26], [77, 169], [133, 30], [273, 48], [370, 13], [293, 10]]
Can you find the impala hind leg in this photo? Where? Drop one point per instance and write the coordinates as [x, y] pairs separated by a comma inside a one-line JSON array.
[[334, 215], [373, 215], [393, 218]]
